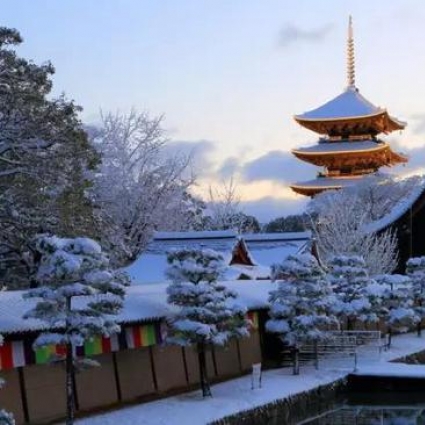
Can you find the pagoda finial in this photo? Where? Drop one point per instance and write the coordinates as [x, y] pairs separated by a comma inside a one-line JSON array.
[[350, 55]]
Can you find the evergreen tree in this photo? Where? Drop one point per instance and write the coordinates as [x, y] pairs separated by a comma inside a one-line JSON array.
[[356, 295], [415, 269], [208, 312], [291, 223], [300, 306], [397, 307], [44, 162], [70, 272], [6, 418]]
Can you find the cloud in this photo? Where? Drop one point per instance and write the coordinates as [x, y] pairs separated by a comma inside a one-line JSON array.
[[268, 208], [277, 166], [200, 152], [291, 34], [229, 168], [419, 127]]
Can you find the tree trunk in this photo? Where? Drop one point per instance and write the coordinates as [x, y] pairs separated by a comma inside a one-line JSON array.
[[296, 361], [70, 402], [390, 334], [203, 375], [419, 325], [69, 366]]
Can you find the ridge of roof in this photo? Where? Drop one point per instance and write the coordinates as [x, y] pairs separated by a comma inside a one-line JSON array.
[[398, 210]]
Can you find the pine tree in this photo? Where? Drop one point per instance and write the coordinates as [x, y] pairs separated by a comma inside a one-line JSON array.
[[300, 306], [45, 162], [356, 295], [6, 418], [397, 307], [208, 312], [78, 295], [415, 269]]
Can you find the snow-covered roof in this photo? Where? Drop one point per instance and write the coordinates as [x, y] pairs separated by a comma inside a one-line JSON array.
[[329, 182], [195, 235], [142, 303], [399, 209], [348, 104], [347, 146], [150, 266], [276, 237], [265, 249]]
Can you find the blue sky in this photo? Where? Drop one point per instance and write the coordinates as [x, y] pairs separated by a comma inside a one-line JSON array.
[[229, 75]]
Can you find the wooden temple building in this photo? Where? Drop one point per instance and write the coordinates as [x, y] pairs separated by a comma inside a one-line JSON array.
[[349, 147]]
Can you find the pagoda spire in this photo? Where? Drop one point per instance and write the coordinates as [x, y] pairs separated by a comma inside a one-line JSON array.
[[350, 55]]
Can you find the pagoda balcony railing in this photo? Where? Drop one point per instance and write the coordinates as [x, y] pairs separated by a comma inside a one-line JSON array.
[[350, 138]]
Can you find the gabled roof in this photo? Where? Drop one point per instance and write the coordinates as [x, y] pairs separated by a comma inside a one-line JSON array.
[[262, 249], [150, 266]]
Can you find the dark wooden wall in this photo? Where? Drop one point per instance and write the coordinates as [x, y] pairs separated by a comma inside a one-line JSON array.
[[36, 394]]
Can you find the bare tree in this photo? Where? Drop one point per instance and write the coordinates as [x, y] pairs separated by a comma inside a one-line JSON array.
[[140, 188], [339, 218], [224, 206]]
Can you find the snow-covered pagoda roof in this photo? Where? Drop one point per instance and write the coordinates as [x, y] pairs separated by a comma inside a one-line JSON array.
[[349, 106], [369, 151], [311, 187], [324, 148], [142, 303]]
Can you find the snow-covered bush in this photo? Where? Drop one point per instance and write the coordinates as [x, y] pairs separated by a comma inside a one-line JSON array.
[[357, 297], [415, 269], [300, 308], [208, 314], [397, 308], [77, 295], [6, 418]]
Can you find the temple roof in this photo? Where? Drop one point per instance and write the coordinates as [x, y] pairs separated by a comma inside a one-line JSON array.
[[370, 152], [341, 147], [349, 105], [312, 187]]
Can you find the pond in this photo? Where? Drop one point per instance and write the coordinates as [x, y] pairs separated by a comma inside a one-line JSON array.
[[372, 409]]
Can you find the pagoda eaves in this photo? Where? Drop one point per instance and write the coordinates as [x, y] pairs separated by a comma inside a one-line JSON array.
[[371, 153], [350, 112]]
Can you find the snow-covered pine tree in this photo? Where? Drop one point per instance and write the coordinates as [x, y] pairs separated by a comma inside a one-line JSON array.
[[300, 306], [415, 269], [356, 297], [397, 307], [209, 314], [45, 162], [78, 294], [6, 418]]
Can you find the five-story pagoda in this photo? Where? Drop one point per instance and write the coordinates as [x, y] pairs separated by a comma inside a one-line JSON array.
[[349, 148]]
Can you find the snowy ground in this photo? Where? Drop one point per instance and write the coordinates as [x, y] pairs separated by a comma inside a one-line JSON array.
[[236, 395]]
